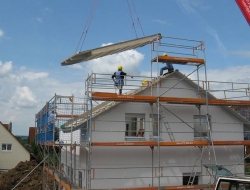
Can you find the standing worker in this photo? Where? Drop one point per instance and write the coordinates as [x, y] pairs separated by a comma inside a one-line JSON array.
[[168, 67], [118, 78]]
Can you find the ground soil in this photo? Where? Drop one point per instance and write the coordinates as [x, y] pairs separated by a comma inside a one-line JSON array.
[[34, 181]]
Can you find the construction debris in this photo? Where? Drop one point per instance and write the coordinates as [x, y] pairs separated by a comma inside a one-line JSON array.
[[34, 181]]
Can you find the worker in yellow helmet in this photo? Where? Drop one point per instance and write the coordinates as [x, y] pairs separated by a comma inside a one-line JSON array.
[[168, 67], [118, 78]]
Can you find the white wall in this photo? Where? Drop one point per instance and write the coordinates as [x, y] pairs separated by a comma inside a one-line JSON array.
[[117, 167], [9, 159]]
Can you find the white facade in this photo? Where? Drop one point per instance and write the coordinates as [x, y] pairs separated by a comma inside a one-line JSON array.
[[138, 166], [12, 151]]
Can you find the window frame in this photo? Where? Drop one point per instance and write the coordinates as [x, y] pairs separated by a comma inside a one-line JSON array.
[[6, 147], [188, 175], [154, 124], [80, 178], [136, 121], [200, 135]]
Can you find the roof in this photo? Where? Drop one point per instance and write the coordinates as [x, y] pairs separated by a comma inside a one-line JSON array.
[[4, 125], [109, 50], [104, 106], [210, 96]]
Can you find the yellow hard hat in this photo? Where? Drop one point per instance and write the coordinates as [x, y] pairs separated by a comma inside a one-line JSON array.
[[119, 67], [164, 54], [145, 82]]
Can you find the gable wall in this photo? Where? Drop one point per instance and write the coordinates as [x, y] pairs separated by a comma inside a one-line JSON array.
[[133, 165], [9, 160]]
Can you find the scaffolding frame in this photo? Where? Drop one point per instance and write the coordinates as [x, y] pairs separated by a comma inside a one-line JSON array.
[[74, 118], [50, 130], [159, 98]]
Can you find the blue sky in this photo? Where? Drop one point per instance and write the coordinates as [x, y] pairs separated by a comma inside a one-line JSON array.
[[35, 36]]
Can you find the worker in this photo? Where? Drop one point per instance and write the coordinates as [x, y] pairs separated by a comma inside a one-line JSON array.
[[51, 120], [168, 67], [118, 78]]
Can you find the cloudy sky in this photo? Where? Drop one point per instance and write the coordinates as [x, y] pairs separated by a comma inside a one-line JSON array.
[[35, 36]]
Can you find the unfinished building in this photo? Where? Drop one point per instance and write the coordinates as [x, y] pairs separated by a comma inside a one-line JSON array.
[[165, 132]]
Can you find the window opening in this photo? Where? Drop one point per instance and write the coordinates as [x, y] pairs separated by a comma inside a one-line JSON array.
[[134, 125], [244, 186], [84, 132], [80, 178], [6, 147], [186, 176], [201, 126], [154, 125]]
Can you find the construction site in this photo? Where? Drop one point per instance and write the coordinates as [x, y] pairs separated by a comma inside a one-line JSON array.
[[176, 131]]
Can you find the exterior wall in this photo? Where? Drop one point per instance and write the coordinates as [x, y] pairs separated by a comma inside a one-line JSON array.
[[119, 166], [9, 160]]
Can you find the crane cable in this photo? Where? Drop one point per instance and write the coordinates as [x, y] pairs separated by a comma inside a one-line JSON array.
[[138, 17], [91, 14], [133, 25]]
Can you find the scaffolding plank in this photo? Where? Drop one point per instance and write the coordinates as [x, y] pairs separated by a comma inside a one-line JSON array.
[[179, 60], [176, 100], [176, 143], [193, 187], [67, 116], [229, 102], [105, 96]]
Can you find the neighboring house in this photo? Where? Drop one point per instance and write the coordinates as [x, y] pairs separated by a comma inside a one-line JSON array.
[[12, 151], [124, 149]]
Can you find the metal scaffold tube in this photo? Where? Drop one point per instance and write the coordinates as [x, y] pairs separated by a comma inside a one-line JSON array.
[[121, 128]]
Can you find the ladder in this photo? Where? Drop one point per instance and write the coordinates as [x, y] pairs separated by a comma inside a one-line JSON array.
[[196, 165], [166, 124]]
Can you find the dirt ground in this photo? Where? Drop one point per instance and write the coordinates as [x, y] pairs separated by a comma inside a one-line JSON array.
[[34, 181]]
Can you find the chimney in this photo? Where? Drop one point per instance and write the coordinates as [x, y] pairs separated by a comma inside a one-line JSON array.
[[10, 127]]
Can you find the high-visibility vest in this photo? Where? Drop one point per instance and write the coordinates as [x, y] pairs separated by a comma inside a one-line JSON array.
[[118, 78]]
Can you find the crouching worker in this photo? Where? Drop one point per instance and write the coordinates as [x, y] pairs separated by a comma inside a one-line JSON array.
[[168, 67], [118, 78]]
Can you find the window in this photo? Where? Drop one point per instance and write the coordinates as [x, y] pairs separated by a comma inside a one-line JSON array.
[[233, 184], [154, 125], [244, 186], [85, 131], [224, 185], [188, 178], [134, 125], [80, 178], [6, 147], [201, 124]]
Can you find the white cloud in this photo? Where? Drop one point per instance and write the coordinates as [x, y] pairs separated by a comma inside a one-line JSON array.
[[23, 98], [39, 19], [48, 9], [130, 60], [245, 54], [76, 66], [222, 81], [34, 76], [1, 33], [5, 68], [159, 21]]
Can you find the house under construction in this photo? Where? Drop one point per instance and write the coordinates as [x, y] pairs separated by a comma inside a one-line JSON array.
[[169, 132]]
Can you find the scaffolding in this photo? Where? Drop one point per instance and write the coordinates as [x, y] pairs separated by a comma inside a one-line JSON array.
[[52, 137], [75, 120]]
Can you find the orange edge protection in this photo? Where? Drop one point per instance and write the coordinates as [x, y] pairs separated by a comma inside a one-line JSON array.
[[138, 98], [67, 187], [177, 143]]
